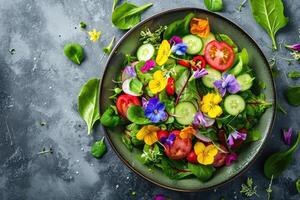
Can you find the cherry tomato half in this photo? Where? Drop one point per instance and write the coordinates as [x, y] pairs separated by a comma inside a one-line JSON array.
[[124, 101], [198, 63], [192, 157], [219, 55], [170, 88], [185, 63], [179, 149]]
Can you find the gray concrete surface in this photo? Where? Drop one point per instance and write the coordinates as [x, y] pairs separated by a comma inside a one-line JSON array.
[[38, 84]]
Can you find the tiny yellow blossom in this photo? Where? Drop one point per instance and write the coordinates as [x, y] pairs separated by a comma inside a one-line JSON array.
[[148, 134], [94, 35], [210, 105], [205, 154], [187, 132], [158, 83], [163, 53]]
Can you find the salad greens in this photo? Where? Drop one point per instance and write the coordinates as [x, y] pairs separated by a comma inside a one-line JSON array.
[[74, 52], [292, 95], [270, 15], [110, 117], [202, 172], [249, 189], [214, 5], [294, 74], [98, 148]]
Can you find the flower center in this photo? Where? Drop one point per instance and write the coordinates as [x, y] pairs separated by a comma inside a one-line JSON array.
[[155, 111]]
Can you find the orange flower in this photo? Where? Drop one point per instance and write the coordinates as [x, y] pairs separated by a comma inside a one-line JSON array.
[[200, 27], [187, 132]]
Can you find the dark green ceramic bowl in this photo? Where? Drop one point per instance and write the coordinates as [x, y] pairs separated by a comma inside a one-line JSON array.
[[129, 43]]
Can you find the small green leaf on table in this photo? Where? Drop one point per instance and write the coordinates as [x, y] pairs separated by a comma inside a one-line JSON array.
[[74, 52], [292, 95], [109, 47], [98, 148], [214, 5]]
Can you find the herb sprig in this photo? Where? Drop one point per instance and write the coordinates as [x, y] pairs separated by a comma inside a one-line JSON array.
[[249, 189]]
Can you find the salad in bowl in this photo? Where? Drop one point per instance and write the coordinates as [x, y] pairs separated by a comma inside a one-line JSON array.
[[186, 100]]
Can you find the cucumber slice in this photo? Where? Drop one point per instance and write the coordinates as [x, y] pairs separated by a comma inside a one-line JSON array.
[[234, 104], [145, 52], [194, 44], [237, 68], [245, 81], [185, 112], [211, 77], [244, 56], [207, 40]]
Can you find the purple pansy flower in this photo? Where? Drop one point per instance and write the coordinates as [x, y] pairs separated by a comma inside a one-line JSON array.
[[175, 40], [149, 64], [294, 47], [287, 136], [128, 72], [200, 73], [201, 120], [227, 83], [179, 49], [235, 136], [230, 158], [168, 140], [144, 102], [155, 110]]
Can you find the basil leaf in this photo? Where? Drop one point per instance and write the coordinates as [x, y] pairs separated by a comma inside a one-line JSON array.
[[270, 15], [128, 15], [214, 5], [294, 74], [74, 52], [98, 148], [88, 103], [136, 115], [136, 86], [292, 95], [202, 172], [298, 185], [253, 135]]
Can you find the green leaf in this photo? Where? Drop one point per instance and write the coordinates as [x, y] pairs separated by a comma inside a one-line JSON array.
[[202, 172], [244, 56], [115, 4], [228, 40], [74, 52], [298, 185], [181, 81], [128, 15], [270, 15], [214, 5], [127, 142], [253, 135], [109, 47], [292, 95], [136, 86], [88, 103], [98, 148], [136, 115], [294, 74], [151, 154]]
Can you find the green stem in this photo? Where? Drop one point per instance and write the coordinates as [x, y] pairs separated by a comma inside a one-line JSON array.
[[78, 61], [294, 147], [274, 44]]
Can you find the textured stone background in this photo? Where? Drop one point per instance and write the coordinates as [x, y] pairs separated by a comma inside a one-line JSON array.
[[38, 84]]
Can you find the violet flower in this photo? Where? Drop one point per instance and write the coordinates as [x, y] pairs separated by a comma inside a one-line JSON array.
[[235, 136], [155, 110], [227, 83], [179, 49], [201, 120], [230, 158], [149, 64], [294, 47], [175, 40], [168, 140], [160, 197], [200, 73], [144, 102], [128, 72], [287, 136]]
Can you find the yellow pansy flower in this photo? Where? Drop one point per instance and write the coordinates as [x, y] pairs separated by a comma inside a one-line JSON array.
[[210, 105], [163, 53], [158, 83], [187, 132], [205, 154], [94, 35], [148, 134]]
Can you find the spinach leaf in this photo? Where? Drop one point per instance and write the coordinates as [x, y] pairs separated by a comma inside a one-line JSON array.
[[88, 103], [174, 169], [136, 86], [292, 95], [278, 162], [115, 4], [144, 77], [270, 15], [98, 148], [253, 135], [256, 105], [74, 52], [298, 185], [294, 74], [202, 172], [214, 5], [128, 15], [136, 115]]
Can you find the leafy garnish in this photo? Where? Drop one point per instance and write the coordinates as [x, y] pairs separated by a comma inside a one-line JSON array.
[[202, 172], [248, 189], [151, 154], [214, 5], [98, 148], [74, 52], [292, 95], [88, 103], [154, 38], [82, 25], [109, 47], [269, 189], [294, 74], [253, 135], [136, 115], [270, 15]]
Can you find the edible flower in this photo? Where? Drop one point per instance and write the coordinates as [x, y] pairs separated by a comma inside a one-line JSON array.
[[175, 40], [155, 110], [168, 140], [205, 154], [201, 120], [294, 47], [149, 64], [187, 132], [200, 73], [148, 134], [163, 53], [160, 197], [235, 136], [200, 27], [179, 49], [227, 83], [94, 35], [128, 72], [287, 136], [210, 105], [158, 83], [230, 158]]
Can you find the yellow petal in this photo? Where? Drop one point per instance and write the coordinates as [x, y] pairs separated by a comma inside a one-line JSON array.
[[151, 138], [217, 98], [215, 111], [158, 75], [200, 158], [199, 148], [211, 150], [154, 86], [141, 134], [207, 160], [163, 53], [152, 128], [205, 108]]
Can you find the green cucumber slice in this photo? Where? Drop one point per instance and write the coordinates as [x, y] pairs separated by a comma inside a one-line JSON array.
[[145, 52], [194, 44], [245, 81], [234, 104], [207, 40], [211, 77], [185, 112], [238, 67]]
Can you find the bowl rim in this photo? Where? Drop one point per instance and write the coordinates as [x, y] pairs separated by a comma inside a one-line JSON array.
[[251, 162]]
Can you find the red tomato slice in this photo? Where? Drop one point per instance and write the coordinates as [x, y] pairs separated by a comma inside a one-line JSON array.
[[170, 89], [179, 149], [198, 63], [219, 55], [124, 101]]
